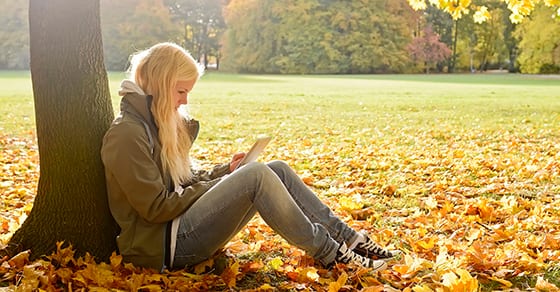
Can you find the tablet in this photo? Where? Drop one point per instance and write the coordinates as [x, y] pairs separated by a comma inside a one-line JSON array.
[[255, 151]]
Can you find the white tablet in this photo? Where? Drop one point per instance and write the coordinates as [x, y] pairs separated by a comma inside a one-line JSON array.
[[255, 151]]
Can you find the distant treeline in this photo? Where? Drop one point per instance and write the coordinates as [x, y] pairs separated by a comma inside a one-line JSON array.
[[311, 36]]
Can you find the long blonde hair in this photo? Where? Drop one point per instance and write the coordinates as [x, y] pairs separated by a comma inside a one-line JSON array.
[[157, 71]]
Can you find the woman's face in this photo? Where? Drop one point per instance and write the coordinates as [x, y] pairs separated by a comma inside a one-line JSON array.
[[181, 91]]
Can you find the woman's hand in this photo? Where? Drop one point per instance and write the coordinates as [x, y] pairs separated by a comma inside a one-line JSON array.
[[235, 160]]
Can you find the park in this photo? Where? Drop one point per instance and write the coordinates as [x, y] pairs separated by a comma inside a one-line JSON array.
[[458, 171]]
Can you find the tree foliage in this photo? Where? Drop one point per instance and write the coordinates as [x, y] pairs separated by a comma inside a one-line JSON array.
[[317, 36], [249, 41], [539, 42], [14, 34], [458, 8]]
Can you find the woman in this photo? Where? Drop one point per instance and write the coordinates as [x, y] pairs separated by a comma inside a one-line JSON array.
[[172, 216]]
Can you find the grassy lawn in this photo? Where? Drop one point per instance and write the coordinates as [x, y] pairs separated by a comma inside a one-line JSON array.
[[440, 166], [238, 106]]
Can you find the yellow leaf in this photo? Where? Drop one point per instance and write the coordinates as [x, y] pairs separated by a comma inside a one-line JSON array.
[[450, 280], [473, 235], [30, 280], [266, 287], [460, 281], [458, 153], [544, 285], [350, 203], [506, 283], [431, 203], [401, 269], [335, 286], [417, 4], [311, 274], [468, 282], [229, 276], [481, 15], [516, 18], [422, 288], [486, 210], [276, 263], [411, 266], [116, 260], [427, 244]]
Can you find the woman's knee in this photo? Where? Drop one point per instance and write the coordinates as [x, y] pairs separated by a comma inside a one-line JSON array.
[[255, 167], [278, 166]]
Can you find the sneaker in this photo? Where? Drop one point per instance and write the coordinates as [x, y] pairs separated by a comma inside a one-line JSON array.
[[368, 248], [348, 256]]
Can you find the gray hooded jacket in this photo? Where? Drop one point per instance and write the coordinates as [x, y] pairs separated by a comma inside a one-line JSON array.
[[142, 198]]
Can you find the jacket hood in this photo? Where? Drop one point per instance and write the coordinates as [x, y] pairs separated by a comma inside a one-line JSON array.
[[128, 86], [136, 102]]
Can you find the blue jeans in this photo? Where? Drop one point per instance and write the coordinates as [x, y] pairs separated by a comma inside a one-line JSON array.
[[283, 201]]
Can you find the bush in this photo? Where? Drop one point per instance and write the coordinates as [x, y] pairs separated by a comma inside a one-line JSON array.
[[549, 69]]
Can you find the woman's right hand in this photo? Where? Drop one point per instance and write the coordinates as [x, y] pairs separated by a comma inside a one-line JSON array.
[[235, 160]]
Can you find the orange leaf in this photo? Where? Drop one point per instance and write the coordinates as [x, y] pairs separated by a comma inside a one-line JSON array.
[[19, 260]]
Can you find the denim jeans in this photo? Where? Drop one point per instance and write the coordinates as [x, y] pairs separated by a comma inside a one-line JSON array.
[[283, 201]]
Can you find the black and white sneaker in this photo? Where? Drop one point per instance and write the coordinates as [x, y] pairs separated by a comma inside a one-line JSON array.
[[369, 249], [348, 256]]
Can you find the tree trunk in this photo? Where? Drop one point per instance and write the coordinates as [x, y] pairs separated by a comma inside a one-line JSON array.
[[453, 60], [73, 110]]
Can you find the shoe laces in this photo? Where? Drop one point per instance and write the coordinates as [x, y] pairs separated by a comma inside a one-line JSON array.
[[375, 249], [347, 256]]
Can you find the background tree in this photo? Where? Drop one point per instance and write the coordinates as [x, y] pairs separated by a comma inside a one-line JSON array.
[[73, 111], [443, 25], [132, 25], [490, 45], [249, 41], [427, 49], [14, 29], [539, 42], [202, 23], [375, 39]]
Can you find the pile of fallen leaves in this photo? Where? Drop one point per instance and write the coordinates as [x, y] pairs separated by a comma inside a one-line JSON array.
[[470, 210], [19, 174]]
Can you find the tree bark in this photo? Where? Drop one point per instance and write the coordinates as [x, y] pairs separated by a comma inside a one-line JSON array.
[[73, 110]]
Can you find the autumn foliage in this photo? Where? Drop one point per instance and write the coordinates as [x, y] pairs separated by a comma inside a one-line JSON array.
[[428, 49], [471, 210]]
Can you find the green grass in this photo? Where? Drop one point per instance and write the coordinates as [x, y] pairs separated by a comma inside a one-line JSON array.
[[237, 106], [310, 106]]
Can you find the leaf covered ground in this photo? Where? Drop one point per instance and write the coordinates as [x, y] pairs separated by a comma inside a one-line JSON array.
[[474, 206], [469, 214]]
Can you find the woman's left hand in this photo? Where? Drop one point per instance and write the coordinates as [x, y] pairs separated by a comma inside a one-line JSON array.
[[235, 160]]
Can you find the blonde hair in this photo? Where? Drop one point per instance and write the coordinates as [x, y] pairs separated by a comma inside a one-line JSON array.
[[157, 71]]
